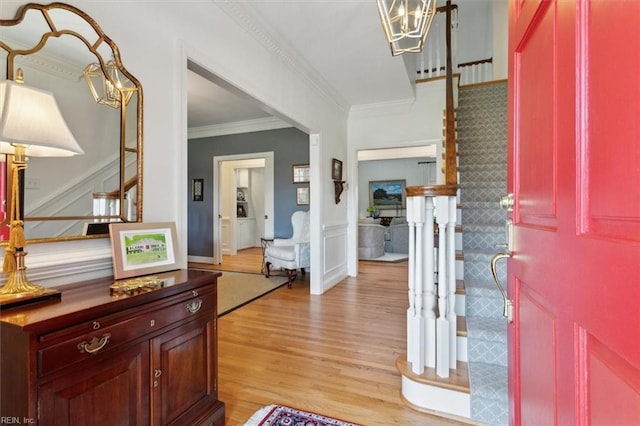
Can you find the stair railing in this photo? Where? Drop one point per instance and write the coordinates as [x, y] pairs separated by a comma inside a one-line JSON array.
[[107, 204], [476, 71], [431, 60], [431, 317]]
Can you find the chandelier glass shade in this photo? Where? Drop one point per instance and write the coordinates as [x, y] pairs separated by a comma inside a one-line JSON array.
[[111, 87], [406, 23]]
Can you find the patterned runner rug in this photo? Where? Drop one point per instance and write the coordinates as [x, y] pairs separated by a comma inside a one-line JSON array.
[[280, 415]]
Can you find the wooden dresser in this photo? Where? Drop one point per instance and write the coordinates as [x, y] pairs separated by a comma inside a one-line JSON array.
[[145, 357]]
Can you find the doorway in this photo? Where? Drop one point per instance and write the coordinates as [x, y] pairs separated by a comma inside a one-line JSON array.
[[243, 202], [415, 165]]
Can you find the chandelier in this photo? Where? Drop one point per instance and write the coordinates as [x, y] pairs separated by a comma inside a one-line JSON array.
[[406, 23], [111, 87]]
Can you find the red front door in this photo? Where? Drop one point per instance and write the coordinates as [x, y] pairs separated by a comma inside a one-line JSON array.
[[574, 169]]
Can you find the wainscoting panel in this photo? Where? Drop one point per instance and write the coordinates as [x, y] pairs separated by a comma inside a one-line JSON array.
[[335, 254]]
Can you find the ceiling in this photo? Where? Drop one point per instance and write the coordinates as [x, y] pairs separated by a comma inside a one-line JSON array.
[[341, 45]]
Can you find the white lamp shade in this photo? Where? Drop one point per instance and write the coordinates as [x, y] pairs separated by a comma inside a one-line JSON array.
[[31, 117]]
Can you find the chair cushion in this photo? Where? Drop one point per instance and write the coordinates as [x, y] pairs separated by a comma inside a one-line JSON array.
[[285, 253]]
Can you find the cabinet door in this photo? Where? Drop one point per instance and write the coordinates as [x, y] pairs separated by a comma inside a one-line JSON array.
[[107, 391], [184, 364]]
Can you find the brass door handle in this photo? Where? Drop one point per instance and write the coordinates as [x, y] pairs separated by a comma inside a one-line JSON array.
[[508, 304]]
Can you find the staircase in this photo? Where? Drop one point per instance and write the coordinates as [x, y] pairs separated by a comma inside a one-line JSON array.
[[482, 129]]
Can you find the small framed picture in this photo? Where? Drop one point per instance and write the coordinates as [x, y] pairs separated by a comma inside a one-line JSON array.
[[300, 173], [240, 211], [336, 169], [143, 248], [302, 196], [197, 186]]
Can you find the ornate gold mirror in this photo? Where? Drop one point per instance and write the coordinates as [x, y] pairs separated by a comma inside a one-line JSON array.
[[60, 49]]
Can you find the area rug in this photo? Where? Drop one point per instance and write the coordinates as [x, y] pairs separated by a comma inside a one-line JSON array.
[[280, 415], [236, 289]]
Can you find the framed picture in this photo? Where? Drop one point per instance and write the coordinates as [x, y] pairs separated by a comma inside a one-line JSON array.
[[240, 211], [300, 173], [143, 248], [387, 194], [302, 196], [336, 169], [197, 186]]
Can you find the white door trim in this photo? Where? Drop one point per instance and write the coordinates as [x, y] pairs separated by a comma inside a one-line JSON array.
[[218, 192]]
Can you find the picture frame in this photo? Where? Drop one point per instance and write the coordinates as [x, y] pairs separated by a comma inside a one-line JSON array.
[[143, 248], [336, 169], [387, 194], [300, 173], [302, 196], [240, 211], [197, 189]]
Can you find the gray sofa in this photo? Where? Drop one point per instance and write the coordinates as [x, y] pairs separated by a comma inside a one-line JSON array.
[[397, 236]]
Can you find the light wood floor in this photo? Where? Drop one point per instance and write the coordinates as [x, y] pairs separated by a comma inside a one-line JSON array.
[[333, 354]]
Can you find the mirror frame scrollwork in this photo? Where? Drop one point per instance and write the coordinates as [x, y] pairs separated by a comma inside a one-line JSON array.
[[93, 47]]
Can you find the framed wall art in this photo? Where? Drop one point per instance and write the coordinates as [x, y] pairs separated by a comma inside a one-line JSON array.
[[336, 169], [302, 196], [387, 194], [300, 173], [143, 248], [197, 187]]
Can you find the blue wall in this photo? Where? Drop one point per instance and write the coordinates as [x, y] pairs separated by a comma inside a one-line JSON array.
[[290, 146]]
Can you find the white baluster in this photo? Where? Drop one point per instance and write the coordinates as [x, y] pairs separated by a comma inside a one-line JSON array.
[[418, 207], [431, 43], [442, 323], [451, 282], [411, 337], [438, 49], [430, 287]]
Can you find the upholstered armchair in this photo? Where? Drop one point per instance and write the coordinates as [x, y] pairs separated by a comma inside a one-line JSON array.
[[291, 254], [370, 240]]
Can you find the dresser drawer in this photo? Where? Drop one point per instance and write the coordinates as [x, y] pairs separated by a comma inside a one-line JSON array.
[[104, 336]]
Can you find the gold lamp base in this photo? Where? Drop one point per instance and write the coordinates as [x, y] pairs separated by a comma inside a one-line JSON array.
[[19, 291]]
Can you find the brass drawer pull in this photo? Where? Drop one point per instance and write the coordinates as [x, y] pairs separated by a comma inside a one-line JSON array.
[[95, 345], [194, 306]]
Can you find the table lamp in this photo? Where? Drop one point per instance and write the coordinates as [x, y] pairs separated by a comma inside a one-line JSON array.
[[30, 125]]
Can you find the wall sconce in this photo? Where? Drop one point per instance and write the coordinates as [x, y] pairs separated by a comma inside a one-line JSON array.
[[30, 125], [336, 175], [338, 188]]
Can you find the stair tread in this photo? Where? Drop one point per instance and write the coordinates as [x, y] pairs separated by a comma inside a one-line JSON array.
[[458, 379], [461, 326]]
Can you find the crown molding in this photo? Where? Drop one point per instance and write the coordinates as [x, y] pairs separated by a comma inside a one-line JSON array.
[[259, 30], [47, 63], [257, 125], [377, 109]]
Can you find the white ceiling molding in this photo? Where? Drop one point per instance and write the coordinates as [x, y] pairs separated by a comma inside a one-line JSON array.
[[49, 64], [381, 108], [393, 153], [237, 127], [257, 28]]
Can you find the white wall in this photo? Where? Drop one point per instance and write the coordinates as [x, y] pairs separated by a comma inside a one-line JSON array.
[[500, 39], [155, 40]]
